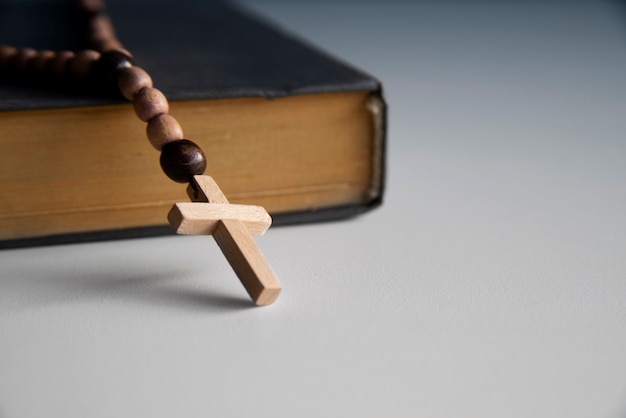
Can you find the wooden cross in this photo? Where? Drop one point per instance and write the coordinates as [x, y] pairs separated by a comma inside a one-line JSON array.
[[232, 226]]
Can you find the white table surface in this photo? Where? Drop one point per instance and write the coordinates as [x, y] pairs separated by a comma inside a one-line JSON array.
[[492, 283]]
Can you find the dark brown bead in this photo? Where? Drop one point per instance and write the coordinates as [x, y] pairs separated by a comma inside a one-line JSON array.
[[81, 65], [6, 54], [20, 61], [100, 30], [112, 60], [57, 66], [39, 64], [181, 160], [110, 63], [92, 6]]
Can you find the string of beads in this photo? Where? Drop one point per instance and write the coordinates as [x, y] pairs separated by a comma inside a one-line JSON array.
[[107, 59]]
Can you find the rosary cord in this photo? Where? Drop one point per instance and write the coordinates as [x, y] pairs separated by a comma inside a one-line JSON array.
[[106, 59]]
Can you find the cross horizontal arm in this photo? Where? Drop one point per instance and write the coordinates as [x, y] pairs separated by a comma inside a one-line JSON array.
[[194, 218]]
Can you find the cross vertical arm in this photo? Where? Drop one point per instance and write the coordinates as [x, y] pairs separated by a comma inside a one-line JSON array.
[[247, 261]]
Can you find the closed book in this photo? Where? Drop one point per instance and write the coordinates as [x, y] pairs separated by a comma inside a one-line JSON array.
[[283, 125]]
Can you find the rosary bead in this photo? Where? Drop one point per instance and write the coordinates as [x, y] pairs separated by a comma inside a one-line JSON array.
[[131, 80], [100, 30], [181, 160], [149, 102], [92, 6], [83, 62], [115, 59], [58, 65], [163, 129], [39, 64], [6, 53], [110, 45], [21, 59]]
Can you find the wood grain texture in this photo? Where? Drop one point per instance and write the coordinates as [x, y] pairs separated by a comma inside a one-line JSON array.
[[206, 190], [247, 261], [195, 218], [149, 102], [131, 80], [163, 129]]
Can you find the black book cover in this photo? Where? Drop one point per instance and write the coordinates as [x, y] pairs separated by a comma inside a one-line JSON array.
[[248, 57]]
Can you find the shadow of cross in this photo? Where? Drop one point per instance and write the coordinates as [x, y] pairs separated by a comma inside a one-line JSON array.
[[232, 226]]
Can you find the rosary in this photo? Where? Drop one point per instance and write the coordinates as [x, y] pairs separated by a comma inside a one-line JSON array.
[[209, 212]]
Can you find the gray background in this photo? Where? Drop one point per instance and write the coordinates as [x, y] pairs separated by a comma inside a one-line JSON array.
[[492, 283]]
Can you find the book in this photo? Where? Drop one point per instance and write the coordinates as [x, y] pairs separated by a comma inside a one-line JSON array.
[[283, 125]]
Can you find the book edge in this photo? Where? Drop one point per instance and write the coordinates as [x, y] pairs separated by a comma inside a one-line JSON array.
[[337, 213]]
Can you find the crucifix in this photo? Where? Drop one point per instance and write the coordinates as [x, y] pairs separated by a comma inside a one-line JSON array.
[[232, 226], [107, 63]]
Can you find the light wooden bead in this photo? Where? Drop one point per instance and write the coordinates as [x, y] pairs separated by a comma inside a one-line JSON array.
[[163, 129], [82, 63], [149, 102], [6, 53], [131, 80]]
